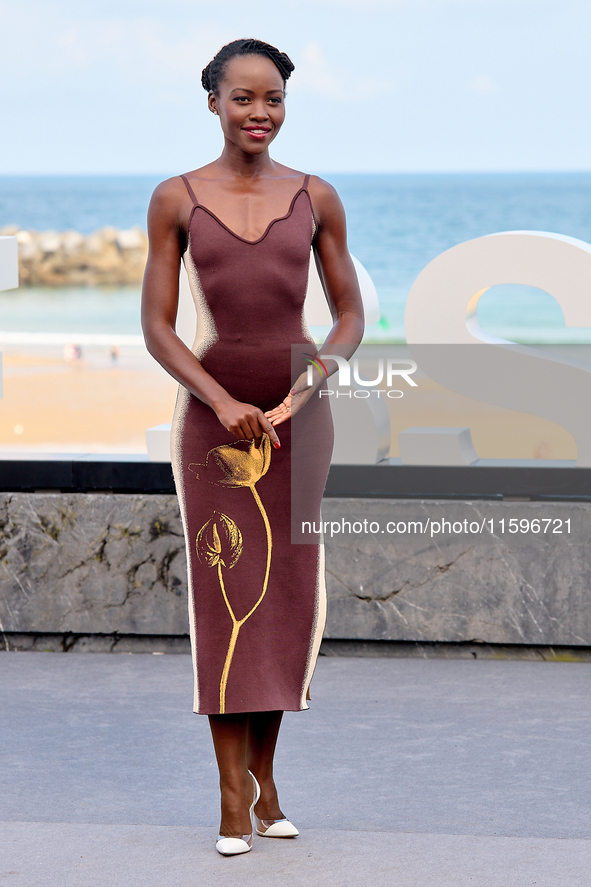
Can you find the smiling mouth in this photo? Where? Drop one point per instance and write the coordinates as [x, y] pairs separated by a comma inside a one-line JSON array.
[[257, 133]]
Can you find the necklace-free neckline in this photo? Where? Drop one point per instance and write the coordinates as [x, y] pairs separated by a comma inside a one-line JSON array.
[[267, 229]]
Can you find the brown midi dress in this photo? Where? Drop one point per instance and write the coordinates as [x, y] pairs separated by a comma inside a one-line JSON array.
[[257, 602]]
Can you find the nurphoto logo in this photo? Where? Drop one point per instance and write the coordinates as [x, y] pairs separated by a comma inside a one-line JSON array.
[[386, 371]]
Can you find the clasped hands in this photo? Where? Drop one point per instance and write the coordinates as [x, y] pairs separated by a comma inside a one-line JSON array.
[[248, 422]]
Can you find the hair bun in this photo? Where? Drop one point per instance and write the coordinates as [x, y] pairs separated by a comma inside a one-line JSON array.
[[213, 74], [205, 79]]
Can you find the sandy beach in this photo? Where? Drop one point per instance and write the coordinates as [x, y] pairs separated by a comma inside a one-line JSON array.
[[51, 404]]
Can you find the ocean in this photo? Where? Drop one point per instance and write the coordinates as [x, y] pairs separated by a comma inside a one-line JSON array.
[[397, 224]]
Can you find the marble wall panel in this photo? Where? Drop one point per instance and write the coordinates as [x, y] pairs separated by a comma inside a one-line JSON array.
[[105, 563]]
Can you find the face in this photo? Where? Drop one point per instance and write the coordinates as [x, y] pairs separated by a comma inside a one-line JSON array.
[[250, 103]]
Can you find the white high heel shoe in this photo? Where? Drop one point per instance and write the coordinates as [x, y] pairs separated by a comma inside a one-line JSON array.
[[275, 828], [234, 846]]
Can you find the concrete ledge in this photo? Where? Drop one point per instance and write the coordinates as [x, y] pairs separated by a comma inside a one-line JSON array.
[[92, 564], [13, 642], [466, 650], [114, 565], [68, 642]]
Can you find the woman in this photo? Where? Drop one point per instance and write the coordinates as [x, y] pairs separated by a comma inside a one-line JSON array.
[[244, 225]]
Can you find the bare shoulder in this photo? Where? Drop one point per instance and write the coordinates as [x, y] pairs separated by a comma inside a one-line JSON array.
[[323, 189], [171, 203], [168, 196], [171, 190], [326, 202]]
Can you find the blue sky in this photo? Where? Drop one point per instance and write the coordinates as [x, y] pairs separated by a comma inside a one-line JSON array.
[[380, 85]]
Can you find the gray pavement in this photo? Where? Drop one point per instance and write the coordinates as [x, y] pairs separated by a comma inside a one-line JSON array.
[[404, 772]]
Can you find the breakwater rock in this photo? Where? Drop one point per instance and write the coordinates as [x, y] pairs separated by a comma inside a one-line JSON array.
[[110, 256]]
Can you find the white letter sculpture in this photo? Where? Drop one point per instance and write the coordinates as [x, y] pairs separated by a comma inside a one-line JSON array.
[[441, 310]]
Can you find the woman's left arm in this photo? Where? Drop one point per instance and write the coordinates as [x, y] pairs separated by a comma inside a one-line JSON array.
[[341, 286]]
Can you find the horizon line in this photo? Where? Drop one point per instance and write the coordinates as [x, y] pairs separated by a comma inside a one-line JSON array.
[[395, 172]]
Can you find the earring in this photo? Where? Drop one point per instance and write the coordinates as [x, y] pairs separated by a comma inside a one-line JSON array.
[[213, 111]]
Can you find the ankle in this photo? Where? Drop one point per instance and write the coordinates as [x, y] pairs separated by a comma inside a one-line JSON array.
[[268, 803], [235, 817]]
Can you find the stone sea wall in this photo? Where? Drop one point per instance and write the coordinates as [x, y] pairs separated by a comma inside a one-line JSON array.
[[115, 564], [110, 256]]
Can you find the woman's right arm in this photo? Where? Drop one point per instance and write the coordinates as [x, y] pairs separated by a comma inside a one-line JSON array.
[[160, 294]]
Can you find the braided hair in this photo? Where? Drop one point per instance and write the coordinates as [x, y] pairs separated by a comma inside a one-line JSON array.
[[213, 73]]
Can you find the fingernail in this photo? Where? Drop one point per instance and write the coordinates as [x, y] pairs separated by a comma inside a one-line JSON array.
[[277, 445], [293, 391]]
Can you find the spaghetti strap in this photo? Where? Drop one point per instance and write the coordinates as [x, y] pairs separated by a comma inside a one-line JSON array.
[[305, 188], [190, 190]]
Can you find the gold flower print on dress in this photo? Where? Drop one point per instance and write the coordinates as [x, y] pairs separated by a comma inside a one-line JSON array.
[[219, 541], [239, 464]]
